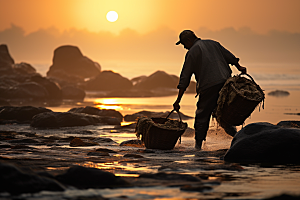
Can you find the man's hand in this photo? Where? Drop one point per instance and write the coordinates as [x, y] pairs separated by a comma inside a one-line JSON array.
[[243, 69], [176, 106]]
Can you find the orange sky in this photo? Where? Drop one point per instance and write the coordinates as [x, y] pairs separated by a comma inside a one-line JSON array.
[[147, 15]]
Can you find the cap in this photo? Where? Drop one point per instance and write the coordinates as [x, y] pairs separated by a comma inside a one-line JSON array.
[[185, 34]]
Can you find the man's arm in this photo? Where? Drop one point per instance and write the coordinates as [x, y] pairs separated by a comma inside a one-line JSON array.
[[176, 105], [240, 68]]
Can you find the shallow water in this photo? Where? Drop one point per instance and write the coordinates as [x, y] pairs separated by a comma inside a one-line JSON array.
[[249, 182]]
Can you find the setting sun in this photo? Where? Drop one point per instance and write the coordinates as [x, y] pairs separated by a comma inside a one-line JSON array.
[[112, 16]]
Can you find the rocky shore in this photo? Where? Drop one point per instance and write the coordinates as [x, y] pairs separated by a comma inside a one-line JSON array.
[[68, 157]]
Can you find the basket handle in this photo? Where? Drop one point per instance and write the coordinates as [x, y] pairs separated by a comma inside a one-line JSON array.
[[177, 113], [248, 76]]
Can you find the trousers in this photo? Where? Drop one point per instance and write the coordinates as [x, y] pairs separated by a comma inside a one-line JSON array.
[[207, 102]]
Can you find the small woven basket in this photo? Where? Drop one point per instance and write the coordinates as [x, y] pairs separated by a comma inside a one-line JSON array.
[[156, 136]]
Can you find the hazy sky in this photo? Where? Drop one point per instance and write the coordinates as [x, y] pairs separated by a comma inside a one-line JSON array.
[[147, 15]]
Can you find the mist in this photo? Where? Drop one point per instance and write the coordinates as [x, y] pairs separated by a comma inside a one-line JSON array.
[[131, 53]]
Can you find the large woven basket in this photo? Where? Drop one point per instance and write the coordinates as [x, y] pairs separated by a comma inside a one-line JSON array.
[[242, 105], [155, 136]]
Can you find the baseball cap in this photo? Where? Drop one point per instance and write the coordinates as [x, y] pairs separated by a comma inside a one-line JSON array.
[[183, 35]]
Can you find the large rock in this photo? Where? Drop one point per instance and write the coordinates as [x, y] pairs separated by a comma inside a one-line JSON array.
[[53, 89], [21, 114], [100, 112], [24, 68], [28, 91], [160, 80], [69, 60], [6, 61], [83, 178], [108, 80], [265, 142], [67, 119], [72, 92], [15, 181]]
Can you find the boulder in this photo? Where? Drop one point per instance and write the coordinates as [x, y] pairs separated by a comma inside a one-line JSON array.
[[279, 93], [108, 80], [24, 68], [72, 92], [158, 79], [100, 112], [6, 61], [83, 178], [265, 142], [69, 60], [289, 124], [68, 119], [53, 89], [77, 142], [15, 181], [21, 114]]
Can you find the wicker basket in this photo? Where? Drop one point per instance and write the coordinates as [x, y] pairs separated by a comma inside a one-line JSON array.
[[160, 137], [240, 108]]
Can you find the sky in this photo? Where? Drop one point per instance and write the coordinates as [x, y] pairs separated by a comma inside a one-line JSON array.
[[147, 15], [144, 36]]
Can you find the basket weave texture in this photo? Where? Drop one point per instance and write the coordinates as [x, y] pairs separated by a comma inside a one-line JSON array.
[[237, 100], [159, 133]]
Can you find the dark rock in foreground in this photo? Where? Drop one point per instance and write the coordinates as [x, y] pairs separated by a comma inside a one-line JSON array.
[[99, 112], [21, 114], [289, 124], [15, 181], [67, 119], [265, 142], [84, 178]]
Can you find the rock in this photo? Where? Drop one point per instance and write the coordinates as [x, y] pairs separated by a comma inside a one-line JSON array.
[[15, 181], [279, 93], [93, 153], [103, 150], [69, 60], [170, 177], [265, 142], [289, 124], [6, 61], [64, 119], [72, 92], [77, 142], [195, 188], [132, 143], [28, 91], [150, 114], [130, 155], [84, 178], [107, 81], [158, 79], [99, 112], [189, 132], [24, 68], [53, 89], [21, 114], [4, 102], [103, 140]]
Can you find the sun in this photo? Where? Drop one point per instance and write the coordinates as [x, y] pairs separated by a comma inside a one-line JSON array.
[[112, 16]]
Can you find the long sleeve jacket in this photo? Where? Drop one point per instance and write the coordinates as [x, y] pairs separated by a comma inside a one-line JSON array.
[[209, 61]]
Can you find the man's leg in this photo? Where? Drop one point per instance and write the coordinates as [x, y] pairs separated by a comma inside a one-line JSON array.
[[205, 106]]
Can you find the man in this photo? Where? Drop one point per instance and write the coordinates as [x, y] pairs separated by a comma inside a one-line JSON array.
[[209, 61]]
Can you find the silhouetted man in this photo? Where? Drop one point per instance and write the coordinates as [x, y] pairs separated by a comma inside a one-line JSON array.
[[209, 61]]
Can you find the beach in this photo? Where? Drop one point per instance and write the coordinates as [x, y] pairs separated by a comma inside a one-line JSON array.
[[51, 152]]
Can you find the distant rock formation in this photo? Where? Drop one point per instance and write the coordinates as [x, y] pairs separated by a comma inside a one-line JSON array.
[[279, 93], [108, 81], [69, 61], [6, 61]]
